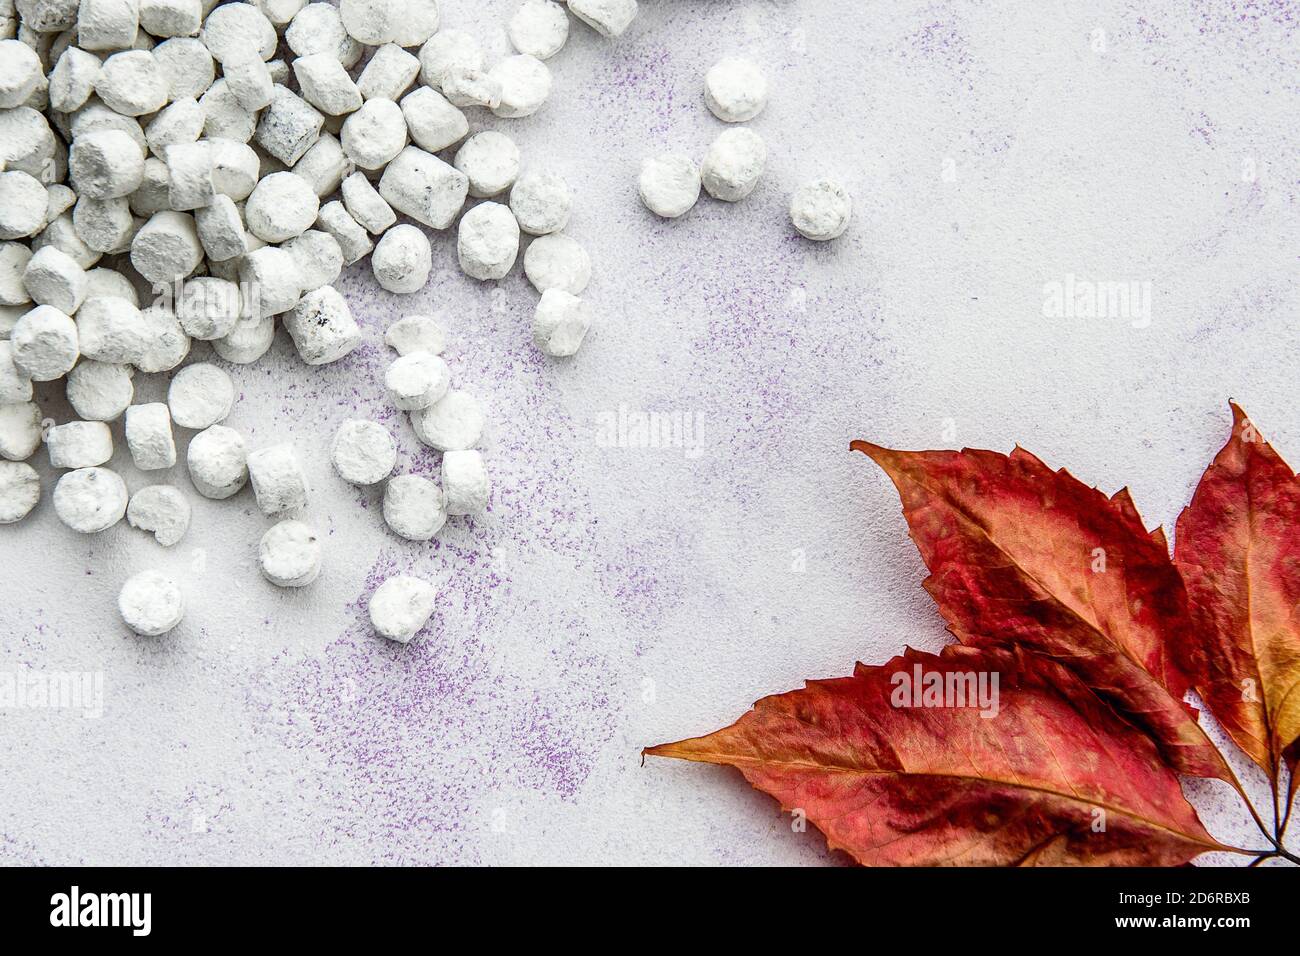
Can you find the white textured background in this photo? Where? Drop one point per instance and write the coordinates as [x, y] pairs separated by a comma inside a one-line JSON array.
[[616, 597]]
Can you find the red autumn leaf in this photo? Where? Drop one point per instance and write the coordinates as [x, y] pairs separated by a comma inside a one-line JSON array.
[[1023, 555], [1056, 777], [1238, 548]]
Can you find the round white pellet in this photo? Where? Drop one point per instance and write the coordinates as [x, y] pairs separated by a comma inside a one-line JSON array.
[[221, 229], [371, 22], [249, 80], [491, 162], [733, 164], [541, 201], [525, 85], [447, 49], [365, 204], [416, 333], [167, 247], [200, 395], [79, 444], [20, 71], [417, 380], [233, 30], [465, 483], [100, 391], [132, 83], [434, 124], [90, 500], [14, 257], [281, 206], [73, 79], [27, 144], [111, 329], [106, 164], [557, 262], [167, 344], [735, 89], [20, 430], [388, 73], [181, 121], [218, 462], [465, 87], [318, 28], [102, 282], [15, 385], [414, 507], [821, 210], [487, 243], [352, 240], [149, 436], [270, 281], [322, 327], [234, 168], [151, 603], [161, 509], [539, 28], [187, 65], [425, 188], [288, 127], [560, 323], [402, 259], [453, 423], [318, 257], [326, 85], [609, 18], [107, 24], [289, 554], [669, 185], [208, 308], [22, 205], [374, 134], [248, 341], [171, 18], [278, 480], [20, 489], [44, 342], [363, 452], [401, 607], [52, 277], [415, 22]]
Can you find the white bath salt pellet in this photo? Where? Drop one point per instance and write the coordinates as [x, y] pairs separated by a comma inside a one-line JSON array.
[[322, 327], [208, 307], [374, 134], [15, 385], [447, 49], [488, 241], [401, 607], [490, 160], [107, 24], [248, 341], [278, 480], [289, 554], [58, 200], [149, 436], [166, 345], [371, 22], [187, 65], [79, 444], [14, 257], [224, 117], [525, 85], [181, 121], [96, 115], [414, 507], [45, 345], [20, 490], [324, 165], [733, 164], [318, 257], [73, 79], [90, 500], [416, 333], [422, 186], [363, 452], [366, 206], [417, 380], [609, 18], [465, 483], [102, 225], [280, 12], [20, 71], [415, 22], [388, 74], [270, 281], [539, 28], [540, 200], [434, 124], [353, 242], [468, 87], [27, 144], [48, 16], [453, 423], [189, 175], [154, 192], [217, 462], [132, 83], [20, 430], [110, 329], [200, 395], [402, 260], [151, 603], [821, 210], [735, 89], [318, 28], [171, 18], [105, 164], [288, 127], [22, 205], [167, 247], [557, 262], [325, 84], [53, 277], [99, 391], [234, 168], [281, 206], [560, 323], [233, 30], [221, 229], [162, 510]]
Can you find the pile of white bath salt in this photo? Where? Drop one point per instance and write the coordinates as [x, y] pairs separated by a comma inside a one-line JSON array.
[[232, 158], [735, 91]]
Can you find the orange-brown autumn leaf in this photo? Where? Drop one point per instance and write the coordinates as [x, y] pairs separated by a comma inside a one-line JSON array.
[[1238, 548], [1045, 775], [1024, 556]]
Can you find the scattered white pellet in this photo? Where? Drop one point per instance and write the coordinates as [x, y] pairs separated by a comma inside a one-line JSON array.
[[414, 507], [233, 30], [821, 210], [525, 85], [270, 281], [107, 24], [108, 282], [388, 73], [280, 12], [423, 187], [44, 344], [20, 430], [363, 452], [52, 277], [278, 480], [416, 333], [249, 80], [401, 607], [465, 483], [104, 225], [487, 243], [73, 79], [151, 603], [289, 554], [288, 127], [15, 385], [735, 89], [171, 18], [324, 165], [447, 49], [167, 247], [318, 28], [539, 28], [90, 500], [434, 124], [149, 436], [453, 423], [200, 395], [325, 84], [541, 201], [402, 259], [20, 490], [99, 391], [167, 344], [417, 380], [560, 323], [365, 204], [132, 83], [415, 21], [733, 164], [352, 240], [234, 168], [467, 87], [490, 160], [208, 308], [160, 509], [187, 65], [111, 329], [79, 444], [609, 18], [281, 206], [217, 462], [181, 121], [22, 205], [374, 134], [105, 164], [322, 327], [221, 229], [189, 175], [248, 341], [154, 192], [20, 71], [224, 117], [670, 185], [14, 257], [557, 261]]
